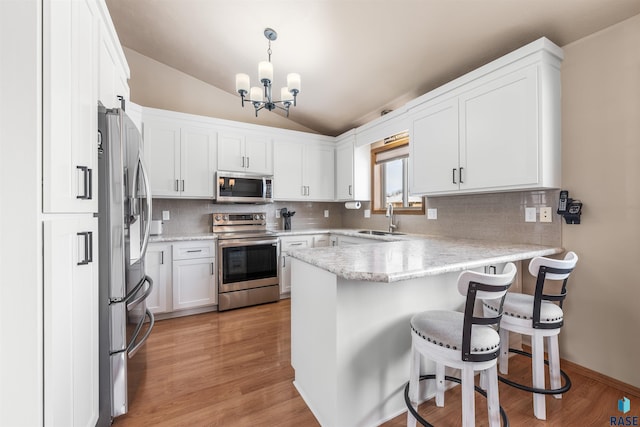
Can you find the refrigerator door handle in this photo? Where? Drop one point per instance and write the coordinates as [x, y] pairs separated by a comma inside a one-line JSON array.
[[147, 225], [134, 346], [143, 296]]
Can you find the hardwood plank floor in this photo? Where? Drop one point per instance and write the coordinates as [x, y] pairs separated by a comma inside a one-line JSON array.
[[233, 369]]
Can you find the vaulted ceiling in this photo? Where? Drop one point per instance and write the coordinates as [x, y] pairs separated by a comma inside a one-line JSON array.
[[356, 57]]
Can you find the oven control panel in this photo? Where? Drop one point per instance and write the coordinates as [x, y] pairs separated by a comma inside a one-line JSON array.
[[226, 219]]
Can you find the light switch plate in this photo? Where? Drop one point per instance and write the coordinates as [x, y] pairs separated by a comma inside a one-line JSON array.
[[277, 213], [166, 216], [326, 213], [432, 213], [530, 214], [545, 214], [367, 213]]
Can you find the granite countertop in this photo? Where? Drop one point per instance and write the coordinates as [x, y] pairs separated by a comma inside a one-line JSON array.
[[181, 237], [418, 257]]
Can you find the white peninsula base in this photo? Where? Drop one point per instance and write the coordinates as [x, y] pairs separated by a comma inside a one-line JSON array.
[[350, 341]]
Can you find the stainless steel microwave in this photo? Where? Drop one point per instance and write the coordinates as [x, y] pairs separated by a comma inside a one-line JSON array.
[[239, 187]]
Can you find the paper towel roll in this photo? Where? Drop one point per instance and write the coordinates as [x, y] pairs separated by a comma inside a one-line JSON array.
[[352, 205]]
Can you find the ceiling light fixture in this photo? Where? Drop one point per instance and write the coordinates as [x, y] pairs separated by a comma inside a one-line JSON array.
[[263, 99]]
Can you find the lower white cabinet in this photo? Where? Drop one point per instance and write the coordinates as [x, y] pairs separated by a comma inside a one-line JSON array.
[[321, 240], [194, 273], [290, 243], [71, 321], [183, 274], [158, 267]]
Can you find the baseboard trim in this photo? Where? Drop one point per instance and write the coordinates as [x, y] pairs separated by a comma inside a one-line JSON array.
[[596, 376]]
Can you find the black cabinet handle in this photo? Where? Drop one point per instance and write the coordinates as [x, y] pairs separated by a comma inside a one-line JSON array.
[[453, 175], [461, 181], [87, 175], [88, 247]]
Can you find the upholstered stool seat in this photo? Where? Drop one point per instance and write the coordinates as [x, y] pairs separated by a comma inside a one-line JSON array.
[[539, 316], [461, 341]]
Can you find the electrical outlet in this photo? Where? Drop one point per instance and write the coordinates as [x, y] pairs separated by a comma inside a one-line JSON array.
[[277, 213], [326, 213], [166, 216], [545, 214], [530, 214], [432, 213], [367, 213]]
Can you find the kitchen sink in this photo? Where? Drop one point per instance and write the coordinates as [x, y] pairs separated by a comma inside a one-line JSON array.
[[380, 233]]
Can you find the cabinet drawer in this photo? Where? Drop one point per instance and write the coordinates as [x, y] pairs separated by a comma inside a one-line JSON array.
[[193, 250], [289, 244]]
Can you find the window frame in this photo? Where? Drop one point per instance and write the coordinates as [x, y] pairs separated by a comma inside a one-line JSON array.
[[375, 197]]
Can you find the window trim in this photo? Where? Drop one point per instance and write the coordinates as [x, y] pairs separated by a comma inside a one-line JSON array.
[[374, 196]]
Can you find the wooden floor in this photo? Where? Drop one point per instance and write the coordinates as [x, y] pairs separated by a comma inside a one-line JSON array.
[[233, 369]]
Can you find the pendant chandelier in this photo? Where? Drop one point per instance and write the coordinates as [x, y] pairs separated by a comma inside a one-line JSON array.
[[261, 97]]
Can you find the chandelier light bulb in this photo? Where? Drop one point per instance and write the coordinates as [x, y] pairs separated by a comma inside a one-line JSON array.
[[256, 94]]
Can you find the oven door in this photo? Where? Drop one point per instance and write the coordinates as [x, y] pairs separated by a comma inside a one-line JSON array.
[[247, 263]]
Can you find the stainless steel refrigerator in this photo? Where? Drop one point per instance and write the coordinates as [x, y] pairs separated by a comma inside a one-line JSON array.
[[124, 219]]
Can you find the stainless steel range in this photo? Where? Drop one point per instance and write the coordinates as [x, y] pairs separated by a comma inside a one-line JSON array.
[[247, 260]]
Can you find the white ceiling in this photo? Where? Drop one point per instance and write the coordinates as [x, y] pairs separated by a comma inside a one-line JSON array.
[[356, 57]]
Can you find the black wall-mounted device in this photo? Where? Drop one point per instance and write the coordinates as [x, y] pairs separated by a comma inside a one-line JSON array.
[[569, 208]]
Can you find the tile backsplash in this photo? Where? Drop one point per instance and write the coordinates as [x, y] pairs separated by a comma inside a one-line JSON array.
[[194, 216], [498, 216]]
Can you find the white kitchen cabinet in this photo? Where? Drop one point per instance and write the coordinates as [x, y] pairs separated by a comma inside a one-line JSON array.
[[70, 59], [303, 171], [353, 173], [194, 272], [180, 158], [71, 320], [245, 152], [496, 129], [158, 267], [112, 72], [287, 244], [321, 240]]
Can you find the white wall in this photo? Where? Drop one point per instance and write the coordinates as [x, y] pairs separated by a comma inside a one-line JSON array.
[[21, 339], [601, 156]]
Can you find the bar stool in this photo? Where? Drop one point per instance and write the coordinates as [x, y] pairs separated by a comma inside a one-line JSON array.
[[539, 317], [461, 341]]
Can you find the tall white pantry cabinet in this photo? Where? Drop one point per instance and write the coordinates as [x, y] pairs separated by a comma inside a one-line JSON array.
[[59, 57]]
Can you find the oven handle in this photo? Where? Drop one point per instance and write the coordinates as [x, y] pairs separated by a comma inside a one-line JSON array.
[[231, 243]]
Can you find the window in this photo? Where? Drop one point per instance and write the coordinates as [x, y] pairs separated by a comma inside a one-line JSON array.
[[390, 178]]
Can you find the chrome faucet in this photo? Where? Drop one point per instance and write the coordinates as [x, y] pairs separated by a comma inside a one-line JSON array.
[[389, 215]]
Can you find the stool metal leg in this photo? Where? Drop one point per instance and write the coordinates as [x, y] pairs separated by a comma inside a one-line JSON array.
[[439, 385], [537, 347], [554, 364], [468, 397], [493, 399]]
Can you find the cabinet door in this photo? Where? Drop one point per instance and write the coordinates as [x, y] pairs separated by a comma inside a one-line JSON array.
[[434, 163], [288, 244], [499, 132], [344, 171], [194, 283], [70, 155], [162, 155], [231, 155], [158, 267], [319, 172], [197, 162], [287, 171], [259, 154], [71, 321]]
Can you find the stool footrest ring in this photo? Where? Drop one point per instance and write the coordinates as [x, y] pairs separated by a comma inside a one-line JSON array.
[[422, 421], [561, 390]]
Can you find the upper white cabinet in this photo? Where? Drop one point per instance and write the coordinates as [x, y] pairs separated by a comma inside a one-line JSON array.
[[70, 150], [248, 152], [495, 129], [180, 157], [112, 72], [303, 170], [353, 174]]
